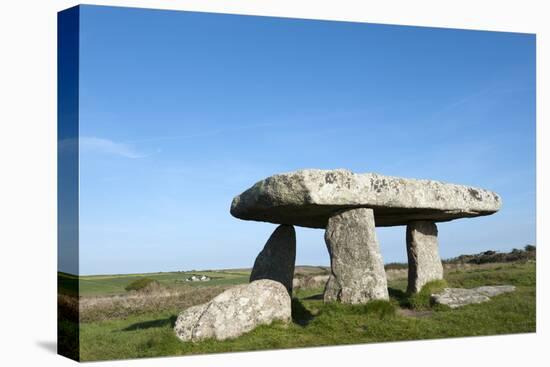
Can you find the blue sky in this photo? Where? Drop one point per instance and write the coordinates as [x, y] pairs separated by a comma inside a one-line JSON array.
[[180, 112]]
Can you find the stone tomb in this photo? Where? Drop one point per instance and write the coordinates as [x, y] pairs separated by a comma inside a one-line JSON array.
[[349, 206]]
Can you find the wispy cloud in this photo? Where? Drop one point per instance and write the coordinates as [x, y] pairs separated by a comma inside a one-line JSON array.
[[100, 145]]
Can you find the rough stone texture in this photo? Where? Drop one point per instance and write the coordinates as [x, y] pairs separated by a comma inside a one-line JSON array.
[[276, 261], [423, 254], [458, 297], [236, 311], [495, 290], [309, 198], [357, 269]]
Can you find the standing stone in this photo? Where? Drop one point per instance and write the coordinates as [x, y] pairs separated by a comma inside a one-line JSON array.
[[357, 269], [423, 254], [276, 261]]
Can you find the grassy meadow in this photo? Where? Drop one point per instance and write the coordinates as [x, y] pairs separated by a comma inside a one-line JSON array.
[[110, 285], [144, 328]]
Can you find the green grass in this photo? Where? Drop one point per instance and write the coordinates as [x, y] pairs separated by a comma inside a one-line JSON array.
[[318, 324], [108, 285], [422, 299]]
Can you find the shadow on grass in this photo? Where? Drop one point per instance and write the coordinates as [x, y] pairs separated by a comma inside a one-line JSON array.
[[421, 300], [300, 314], [314, 297], [401, 297], [152, 324]]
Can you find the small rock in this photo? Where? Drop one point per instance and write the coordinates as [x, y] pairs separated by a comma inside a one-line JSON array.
[[458, 297], [236, 311], [495, 290]]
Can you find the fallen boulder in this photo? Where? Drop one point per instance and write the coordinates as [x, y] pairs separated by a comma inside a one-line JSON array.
[[458, 297], [236, 311]]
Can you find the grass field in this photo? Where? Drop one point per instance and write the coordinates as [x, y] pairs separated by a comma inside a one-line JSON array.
[[150, 334], [109, 285]]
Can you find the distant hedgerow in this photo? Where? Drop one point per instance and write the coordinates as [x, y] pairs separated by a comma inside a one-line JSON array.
[[142, 284], [528, 253]]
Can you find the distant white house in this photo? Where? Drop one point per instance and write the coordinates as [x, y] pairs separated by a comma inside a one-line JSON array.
[[198, 278]]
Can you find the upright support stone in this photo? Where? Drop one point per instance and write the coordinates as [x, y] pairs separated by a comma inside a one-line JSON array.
[[357, 269], [276, 260], [423, 254]]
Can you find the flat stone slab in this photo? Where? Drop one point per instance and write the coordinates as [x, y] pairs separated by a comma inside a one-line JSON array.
[[308, 198], [495, 290], [458, 297]]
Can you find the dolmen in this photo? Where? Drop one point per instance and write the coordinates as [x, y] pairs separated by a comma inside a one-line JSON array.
[[348, 206]]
